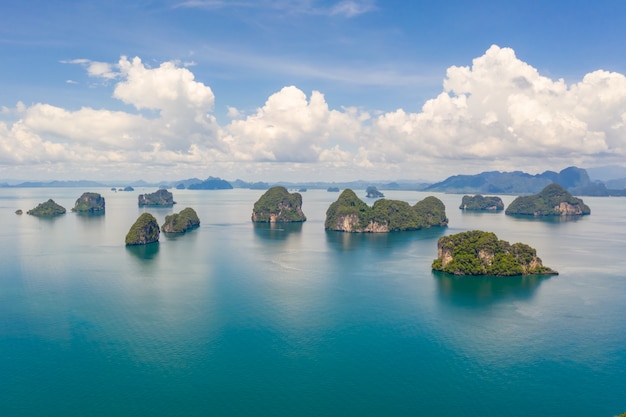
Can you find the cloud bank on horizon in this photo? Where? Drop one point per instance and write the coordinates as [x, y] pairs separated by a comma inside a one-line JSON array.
[[499, 113]]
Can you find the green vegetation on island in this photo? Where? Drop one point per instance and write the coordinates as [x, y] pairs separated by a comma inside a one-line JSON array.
[[553, 200], [481, 253], [160, 197], [181, 222], [350, 214], [47, 209], [89, 203], [277, 205], [482, 203], [145, 230]]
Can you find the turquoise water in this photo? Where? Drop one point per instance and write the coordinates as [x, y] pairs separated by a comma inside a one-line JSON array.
[[233, 319]]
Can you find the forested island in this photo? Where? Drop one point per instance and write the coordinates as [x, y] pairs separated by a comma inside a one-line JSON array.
[[89, 203], [553, 200], [181, 222], [481, 203], [160, 197], [482, 253], [145, 230], [351, 214], [277, 205], [47, 209]]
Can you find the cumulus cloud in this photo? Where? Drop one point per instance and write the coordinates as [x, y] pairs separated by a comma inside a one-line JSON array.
[[497, 113]]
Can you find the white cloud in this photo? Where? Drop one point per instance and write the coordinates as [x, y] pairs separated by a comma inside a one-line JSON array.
[[498, 113]]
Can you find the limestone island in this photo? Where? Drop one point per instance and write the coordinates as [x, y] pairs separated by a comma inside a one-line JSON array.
[[89, 203], [481, 253], [181, 222], [481, 203], [145, 230], [350, 214], [277, 205], [553, 200], [161, 197], [372, 192], [47, 209]]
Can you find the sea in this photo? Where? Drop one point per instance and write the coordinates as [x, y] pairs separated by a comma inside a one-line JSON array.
[[242, 319]]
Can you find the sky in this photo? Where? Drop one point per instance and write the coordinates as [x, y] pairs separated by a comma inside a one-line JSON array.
[[309, 90]]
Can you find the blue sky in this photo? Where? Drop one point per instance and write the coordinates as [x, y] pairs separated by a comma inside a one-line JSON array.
[[309, 90]]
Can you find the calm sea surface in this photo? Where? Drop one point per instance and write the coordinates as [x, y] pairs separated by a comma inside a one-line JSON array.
[[234, 319]]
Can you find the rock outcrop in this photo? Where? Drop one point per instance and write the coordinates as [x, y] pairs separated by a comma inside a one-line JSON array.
[[350, 214], [481, 203], [277, 205], [181, 222], [145, 230], [372, 192], [482, 253], [89, 203], [47, 209], [161, 197], [553, 200]]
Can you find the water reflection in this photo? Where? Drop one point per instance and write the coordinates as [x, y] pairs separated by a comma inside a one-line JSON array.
[[481, 290], [276, 231], [346, 242], [144, 252], [546, 219]]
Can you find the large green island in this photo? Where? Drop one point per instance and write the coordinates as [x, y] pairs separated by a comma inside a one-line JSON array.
[[481, 203], [553, 200], [277, 205], [481, 253], [351, 214], [47, 209], [187, 219]]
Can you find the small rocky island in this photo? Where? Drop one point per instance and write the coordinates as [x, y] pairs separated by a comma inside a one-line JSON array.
[[372, 192], [351, 214], [277, 205], [481, 253], [161, 197], [481, 203], [145, 230], [89, 203], [187, 219], [47, 209], [553, 200]]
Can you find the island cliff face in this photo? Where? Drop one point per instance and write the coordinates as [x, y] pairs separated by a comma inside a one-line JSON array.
[[89, 203], [350, 214], [47, 209], [158, 198], [277, 205], [145, 230], [553, 200], [481, 203], [181, 222], [482, 253]]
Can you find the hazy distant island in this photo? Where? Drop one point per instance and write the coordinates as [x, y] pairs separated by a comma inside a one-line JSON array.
[[161, 197], [333, 189], [181, 222], [351, 214], [145, 230], [481, 203], [372, 192], [277, 205], [482, 253], [575, 180], [47, 209], [553, 200], [89, 203], [211, 183]]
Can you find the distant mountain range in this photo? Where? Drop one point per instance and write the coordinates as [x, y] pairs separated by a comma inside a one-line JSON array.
[[576, 180]]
